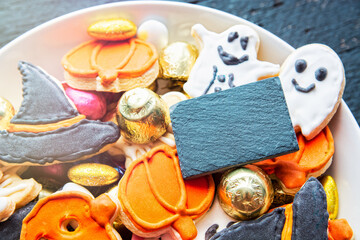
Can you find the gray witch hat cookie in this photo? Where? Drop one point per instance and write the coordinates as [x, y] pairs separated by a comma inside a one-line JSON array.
[[309, 219], [48, 128]]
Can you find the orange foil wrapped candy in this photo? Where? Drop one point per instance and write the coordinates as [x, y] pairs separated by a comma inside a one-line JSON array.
[[71, 215], [111, 66], [312, 160], [154, 196]]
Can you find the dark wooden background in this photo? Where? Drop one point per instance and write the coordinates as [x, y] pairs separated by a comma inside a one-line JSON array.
[[335, 23]]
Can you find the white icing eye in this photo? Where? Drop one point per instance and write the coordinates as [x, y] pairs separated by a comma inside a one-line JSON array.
[[320, 74], [300, 65]]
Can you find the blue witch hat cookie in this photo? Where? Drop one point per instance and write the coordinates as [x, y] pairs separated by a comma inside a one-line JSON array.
[[48, 128]]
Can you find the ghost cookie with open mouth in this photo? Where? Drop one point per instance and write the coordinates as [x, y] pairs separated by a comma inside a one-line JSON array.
[[313, 81], [226, 60]]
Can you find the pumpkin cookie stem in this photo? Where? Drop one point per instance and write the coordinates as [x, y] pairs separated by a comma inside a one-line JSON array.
[[185, 226]]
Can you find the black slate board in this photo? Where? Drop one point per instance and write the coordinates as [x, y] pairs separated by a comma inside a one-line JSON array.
[[234, 127]]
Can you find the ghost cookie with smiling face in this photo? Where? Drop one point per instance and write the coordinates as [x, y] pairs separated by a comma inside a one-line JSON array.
[[226, 60], [313, 81]]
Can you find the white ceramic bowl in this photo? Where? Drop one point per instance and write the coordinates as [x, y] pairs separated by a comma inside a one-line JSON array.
[[46, 44]]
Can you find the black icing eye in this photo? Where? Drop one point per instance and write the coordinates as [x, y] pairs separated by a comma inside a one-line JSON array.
[[244, 42], [232, 36], [221, 78], [320, 74], [217, 89], [300, 65]]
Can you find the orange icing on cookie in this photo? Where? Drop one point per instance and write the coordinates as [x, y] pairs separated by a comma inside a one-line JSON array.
[[44, 127], [110, 60], [50, 217], [339, 229], [287, 230], [313, 155], [154, 195]]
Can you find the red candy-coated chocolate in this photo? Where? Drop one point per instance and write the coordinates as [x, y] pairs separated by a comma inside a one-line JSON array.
[[91, 104]]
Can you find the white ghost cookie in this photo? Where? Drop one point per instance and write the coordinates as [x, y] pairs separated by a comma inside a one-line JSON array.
[[7, 208], [21, 191], [226, 60], [313, 81], [14, 191]]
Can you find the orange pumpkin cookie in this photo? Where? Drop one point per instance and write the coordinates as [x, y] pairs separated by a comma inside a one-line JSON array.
[[111, 66], [313, 159], [154, 197], [71, 215]]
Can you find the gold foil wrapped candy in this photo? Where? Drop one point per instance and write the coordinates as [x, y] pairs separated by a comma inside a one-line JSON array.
[[280, 197], [245, 193], [6, 113], [93, 174], [142, 115], [332, 197], [176, 60], [112, 29]]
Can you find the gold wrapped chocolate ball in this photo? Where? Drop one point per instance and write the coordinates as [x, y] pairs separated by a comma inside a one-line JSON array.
[[93, 174], [245, 193], [332, 196], [142, 116], [6, 113], [176, 60]]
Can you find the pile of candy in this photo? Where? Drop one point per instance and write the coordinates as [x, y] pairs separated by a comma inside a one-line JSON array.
[[150, 139]]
